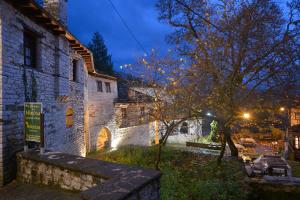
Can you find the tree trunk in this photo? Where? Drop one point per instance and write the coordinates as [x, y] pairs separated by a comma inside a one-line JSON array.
[[158, 157], [233, 149], [223, 142]]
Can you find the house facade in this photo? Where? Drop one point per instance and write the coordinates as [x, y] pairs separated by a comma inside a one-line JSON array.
[[295, 116], [40, 61], [102, 92]]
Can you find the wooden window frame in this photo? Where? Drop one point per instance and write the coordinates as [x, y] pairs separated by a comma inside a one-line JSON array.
[[30, 40], [99, 86], [75, 77], [107, 87], [124, 112], [142, 111]]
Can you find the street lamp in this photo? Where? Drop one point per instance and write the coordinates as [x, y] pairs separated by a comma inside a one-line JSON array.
[[246, 116], [286, 122]]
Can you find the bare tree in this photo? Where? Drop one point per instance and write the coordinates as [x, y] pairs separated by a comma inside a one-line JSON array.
[[170, 103], [233, 48]]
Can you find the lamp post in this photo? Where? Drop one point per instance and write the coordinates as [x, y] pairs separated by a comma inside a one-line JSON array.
[[286, 133]]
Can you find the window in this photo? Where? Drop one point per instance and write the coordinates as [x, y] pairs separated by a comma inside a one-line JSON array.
[[30, 46], [297, 115], [124, 112], [69, 117], [184, 128], [75, 71], [297, 144], [142, 111], [107, 86], [99, 86]]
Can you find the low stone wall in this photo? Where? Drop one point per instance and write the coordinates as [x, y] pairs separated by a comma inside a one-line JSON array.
[[45, 174], [95, 179]]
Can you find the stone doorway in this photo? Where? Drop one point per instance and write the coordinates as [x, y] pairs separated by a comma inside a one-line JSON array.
[[104, 139]]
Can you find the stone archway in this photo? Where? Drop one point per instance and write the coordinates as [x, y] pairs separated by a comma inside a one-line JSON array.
[[104, 139]]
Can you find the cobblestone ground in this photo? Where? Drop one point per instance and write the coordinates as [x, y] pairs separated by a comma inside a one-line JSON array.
[[17, 191]]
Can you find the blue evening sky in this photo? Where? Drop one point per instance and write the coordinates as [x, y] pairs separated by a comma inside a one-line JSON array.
[[88, 16]]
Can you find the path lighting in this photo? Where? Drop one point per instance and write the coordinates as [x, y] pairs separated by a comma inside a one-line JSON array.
[[246, 116]]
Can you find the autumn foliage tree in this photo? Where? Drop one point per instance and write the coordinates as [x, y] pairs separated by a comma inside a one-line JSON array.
[[233, 48]]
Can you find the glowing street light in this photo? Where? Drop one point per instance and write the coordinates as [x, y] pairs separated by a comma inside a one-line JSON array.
[[282, 109], [246, 115], [209, 114]]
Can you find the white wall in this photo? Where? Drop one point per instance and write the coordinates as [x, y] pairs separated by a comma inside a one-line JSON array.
[[100, 108]]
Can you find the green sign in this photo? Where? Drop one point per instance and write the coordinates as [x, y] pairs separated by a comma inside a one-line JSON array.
[[32, 113]]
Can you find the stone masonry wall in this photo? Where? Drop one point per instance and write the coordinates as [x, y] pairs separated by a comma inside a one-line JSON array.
[[95, 179], [33, 172], [141, 135], [135, 128], [53, 81], [100, 108], [194, 132], [1, 113]]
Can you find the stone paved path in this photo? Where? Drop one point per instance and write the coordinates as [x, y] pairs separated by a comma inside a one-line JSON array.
[[197, 150], [17, 191]]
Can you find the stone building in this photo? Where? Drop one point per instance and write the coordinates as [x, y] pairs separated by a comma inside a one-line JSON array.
[[113, 122], [40, 61], [295, 116], [102, 92]]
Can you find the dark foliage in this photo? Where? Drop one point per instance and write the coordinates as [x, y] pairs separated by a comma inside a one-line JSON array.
[[102, 60]]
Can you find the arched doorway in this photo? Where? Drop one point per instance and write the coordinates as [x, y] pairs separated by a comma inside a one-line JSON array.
[[104, 139]]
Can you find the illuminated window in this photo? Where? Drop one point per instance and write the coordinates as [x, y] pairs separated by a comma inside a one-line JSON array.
[[297, 115], [69, 117], [99, 86], [297, 145], [107, 86]]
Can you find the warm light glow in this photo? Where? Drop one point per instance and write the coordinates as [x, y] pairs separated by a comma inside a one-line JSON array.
[[246, 115], [282, 109]]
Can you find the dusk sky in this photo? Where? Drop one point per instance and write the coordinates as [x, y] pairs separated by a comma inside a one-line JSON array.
[[86, 17]]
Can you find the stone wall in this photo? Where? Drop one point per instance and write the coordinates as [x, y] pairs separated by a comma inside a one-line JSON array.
[[134, 128], [33, 172], [54, 88], [194, 131], [94, 178], [142, 135], [1, 121], [100, 108]]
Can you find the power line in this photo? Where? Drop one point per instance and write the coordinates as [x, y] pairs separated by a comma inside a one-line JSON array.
[[201, 17], [127, 27]]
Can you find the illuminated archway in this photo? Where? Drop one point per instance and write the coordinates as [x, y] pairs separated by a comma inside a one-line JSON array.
[[104, 139]]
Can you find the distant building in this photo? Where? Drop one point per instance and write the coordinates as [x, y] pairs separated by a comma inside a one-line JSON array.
[[294, 133], [295, 116]]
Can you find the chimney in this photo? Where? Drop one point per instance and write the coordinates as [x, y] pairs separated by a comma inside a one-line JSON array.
[[58, 9]]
